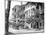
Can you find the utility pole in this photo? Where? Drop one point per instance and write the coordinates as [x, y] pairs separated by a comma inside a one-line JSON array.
[[21, 2]]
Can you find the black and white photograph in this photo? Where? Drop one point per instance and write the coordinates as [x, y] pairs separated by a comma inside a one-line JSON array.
[[24, 17]]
